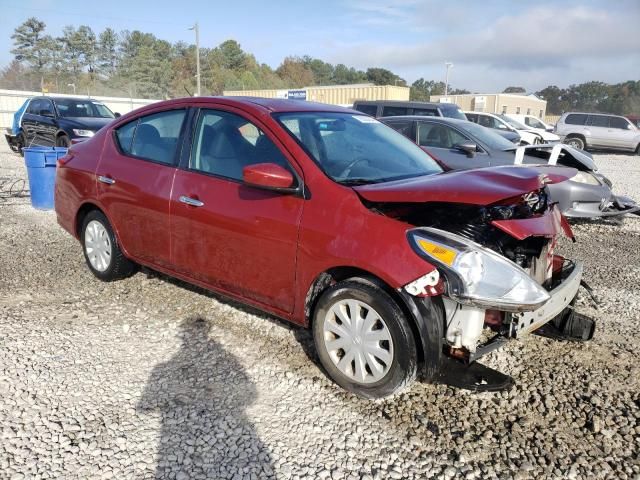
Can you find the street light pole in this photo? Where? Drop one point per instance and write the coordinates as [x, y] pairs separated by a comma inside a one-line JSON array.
[[195, 27], [446, 80]]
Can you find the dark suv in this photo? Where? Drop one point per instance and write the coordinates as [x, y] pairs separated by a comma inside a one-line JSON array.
[[54, 121], [389, 108]]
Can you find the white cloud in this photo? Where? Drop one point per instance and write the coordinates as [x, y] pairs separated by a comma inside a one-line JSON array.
[[547, 41]]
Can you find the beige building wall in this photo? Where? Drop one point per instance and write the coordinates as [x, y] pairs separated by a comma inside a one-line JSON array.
[[497, 103], [335, 95]]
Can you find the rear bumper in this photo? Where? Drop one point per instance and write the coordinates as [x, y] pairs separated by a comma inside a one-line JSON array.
[[562, 295]]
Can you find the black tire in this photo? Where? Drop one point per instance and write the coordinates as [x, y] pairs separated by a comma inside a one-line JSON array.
[[575, 142], [638, 149], [119, 266], [403, 366], [63, 141], [20, 143]]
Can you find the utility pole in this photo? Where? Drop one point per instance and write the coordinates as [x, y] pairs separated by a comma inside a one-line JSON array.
[[446, 80], [195, 27]]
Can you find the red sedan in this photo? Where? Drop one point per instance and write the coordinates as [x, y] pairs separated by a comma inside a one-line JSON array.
[[327, 218]]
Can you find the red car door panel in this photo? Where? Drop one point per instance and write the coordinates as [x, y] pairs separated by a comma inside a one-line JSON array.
[[238, 238], [137, 204], [242, 239], [135, 177]]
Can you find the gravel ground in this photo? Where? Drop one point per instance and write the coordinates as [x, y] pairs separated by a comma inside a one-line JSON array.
[[151, 378]]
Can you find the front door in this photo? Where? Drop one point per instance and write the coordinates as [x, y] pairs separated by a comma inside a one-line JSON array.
[[622, 133], [599, 127], [134, 178], [235, 237]]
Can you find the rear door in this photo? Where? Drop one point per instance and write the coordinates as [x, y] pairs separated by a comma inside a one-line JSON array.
[[30, 122], [235, 237], [47, 123], [440, 140], [134, 178], [598, 126]]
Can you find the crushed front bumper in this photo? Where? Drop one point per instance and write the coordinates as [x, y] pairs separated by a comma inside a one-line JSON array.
[[12, 140], [562, 295]]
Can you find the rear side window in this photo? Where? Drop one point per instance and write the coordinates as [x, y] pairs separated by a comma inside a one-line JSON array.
[[425, 112], [368, 109], [576, 119], [598, 121], [617, 122], [393, 111], [156, 136], [35, 106], [124, 134]]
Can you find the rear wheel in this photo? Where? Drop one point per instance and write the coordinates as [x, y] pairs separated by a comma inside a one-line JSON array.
[[363, 339], [575, 142], [101, 250], [63, 141]]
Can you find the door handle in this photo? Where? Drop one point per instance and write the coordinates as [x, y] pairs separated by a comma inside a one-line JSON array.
[[191, 201], [107, 180]]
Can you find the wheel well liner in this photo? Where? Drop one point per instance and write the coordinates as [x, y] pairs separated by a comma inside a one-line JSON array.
[[426, 316]]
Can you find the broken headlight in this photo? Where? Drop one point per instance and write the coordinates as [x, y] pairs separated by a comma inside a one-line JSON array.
[[585, 177], [476, 275]]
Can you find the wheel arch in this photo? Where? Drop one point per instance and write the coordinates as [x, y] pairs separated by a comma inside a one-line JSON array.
[[426, 316]]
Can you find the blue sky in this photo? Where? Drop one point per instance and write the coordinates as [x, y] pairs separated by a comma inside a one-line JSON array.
[[493, 44]]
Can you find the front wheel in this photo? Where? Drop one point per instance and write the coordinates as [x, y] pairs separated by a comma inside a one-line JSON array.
[[364, 340], [101, 250], [575, 142]]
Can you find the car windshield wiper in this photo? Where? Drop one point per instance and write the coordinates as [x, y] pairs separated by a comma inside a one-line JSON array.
[[354, 182]]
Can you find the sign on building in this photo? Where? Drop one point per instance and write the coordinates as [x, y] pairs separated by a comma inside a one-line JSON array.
[[297, 94]]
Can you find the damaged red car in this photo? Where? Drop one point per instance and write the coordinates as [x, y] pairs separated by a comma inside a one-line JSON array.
[[325, 217]]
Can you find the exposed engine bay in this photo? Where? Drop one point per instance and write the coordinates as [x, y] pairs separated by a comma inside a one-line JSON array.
[[474, 328]]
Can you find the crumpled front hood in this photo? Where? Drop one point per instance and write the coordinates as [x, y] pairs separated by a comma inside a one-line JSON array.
[[482, 186]]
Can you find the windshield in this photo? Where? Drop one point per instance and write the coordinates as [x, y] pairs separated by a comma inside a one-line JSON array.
[[452, 111], [487, 136], [357, 149], [72, 107], [514, 123]]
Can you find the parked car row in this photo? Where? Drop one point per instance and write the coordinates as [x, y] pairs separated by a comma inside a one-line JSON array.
[[399, 262]]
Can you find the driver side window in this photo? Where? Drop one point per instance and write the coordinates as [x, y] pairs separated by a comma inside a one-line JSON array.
[[225, 143], [439, 136]]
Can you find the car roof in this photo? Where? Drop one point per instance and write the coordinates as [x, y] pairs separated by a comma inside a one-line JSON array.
[[452, 121], [400, 103], [593, 113], [274, 105]]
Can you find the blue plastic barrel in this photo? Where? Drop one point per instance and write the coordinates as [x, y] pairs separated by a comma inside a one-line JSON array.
[[41, 169]]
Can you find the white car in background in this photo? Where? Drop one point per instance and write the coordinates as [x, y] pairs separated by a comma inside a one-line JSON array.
[[532, 122], [528, 135]]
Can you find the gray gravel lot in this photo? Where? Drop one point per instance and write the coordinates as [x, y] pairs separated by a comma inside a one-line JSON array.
[[151, 378]]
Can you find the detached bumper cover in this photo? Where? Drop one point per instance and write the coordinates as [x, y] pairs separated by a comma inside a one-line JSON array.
[[561, 297]]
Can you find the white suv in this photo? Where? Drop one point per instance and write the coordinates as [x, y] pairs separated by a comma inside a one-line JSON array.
[[592, 130]]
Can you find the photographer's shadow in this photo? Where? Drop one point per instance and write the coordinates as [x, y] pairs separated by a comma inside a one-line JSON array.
[[201, 394]]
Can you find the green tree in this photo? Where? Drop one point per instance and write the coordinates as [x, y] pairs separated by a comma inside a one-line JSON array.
[[343, 75], [294, 72], [421, 89], [79, 48], [382, 76], [107, 52], [28, 46], [233, 57]]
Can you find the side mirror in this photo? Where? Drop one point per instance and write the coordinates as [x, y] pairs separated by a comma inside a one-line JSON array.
[[46, 113], [469, 148], [549, 129], [117, 114], [502, 126], [269, 176]]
